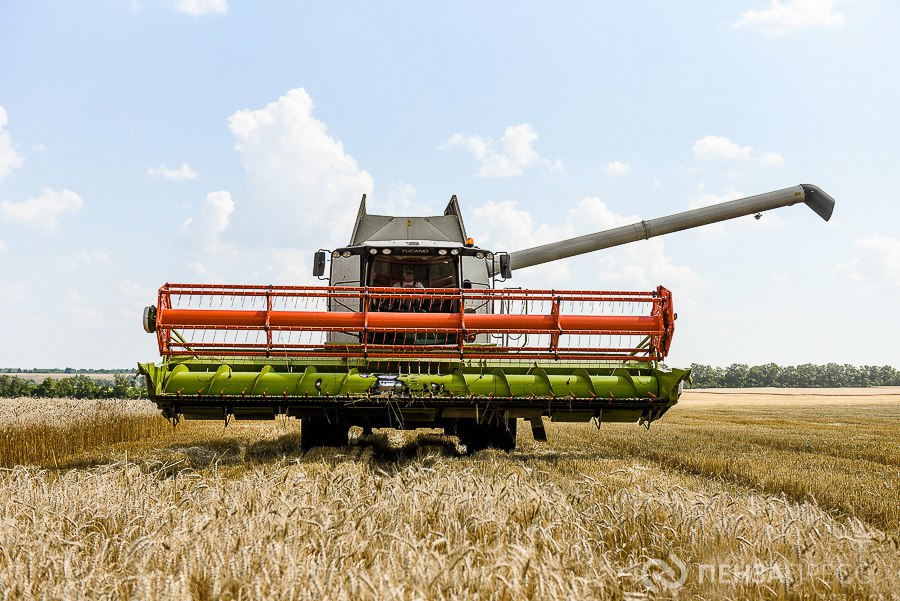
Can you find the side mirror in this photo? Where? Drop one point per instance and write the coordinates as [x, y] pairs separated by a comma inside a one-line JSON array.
[[505, 267], [319, 264]]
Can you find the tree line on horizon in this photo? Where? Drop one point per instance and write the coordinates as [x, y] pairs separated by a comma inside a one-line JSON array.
[[121, 386], [771, 375]]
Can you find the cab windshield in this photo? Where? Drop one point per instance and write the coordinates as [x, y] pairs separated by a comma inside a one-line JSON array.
[[413, 272], [416, 273]]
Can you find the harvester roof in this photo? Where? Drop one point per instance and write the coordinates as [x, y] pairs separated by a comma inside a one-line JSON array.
[[383, 228]]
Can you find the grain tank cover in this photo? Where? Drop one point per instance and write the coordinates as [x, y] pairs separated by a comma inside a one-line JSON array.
[[374, 228]]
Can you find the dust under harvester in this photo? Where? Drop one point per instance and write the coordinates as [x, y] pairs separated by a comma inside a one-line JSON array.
[[415, 330]]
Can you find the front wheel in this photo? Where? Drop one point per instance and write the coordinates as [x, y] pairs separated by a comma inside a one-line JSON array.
[[318, 432], [500, 434]]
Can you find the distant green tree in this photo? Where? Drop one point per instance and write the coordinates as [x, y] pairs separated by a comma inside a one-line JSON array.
[[47, 388], [11, 386], [763, 375], [121, 386], [735, 376], [706, 376]]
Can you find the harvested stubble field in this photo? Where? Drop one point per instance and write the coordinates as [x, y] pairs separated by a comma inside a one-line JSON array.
[[745, 494]]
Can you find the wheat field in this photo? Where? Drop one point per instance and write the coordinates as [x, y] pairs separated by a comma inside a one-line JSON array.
[[734, 494]]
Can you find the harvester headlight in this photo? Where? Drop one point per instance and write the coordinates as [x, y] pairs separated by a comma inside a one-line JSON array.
[[479, 255], [385, 251], [490, 256], [454, 251], [442, 251], [373, 251], [336, 254], [345, 254]]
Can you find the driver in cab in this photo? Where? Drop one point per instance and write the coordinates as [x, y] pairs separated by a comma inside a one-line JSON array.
[[409, 280]]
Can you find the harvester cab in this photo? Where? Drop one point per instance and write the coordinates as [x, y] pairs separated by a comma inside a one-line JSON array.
[[434, 250], [421, 256], [414, 330]]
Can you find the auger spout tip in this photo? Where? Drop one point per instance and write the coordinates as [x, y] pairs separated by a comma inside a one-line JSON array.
[[818, 200]]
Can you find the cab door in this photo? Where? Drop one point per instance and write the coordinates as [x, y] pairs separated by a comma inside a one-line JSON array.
[[345, 272]]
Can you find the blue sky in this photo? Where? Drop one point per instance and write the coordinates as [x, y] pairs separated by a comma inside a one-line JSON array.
[[225, 141]]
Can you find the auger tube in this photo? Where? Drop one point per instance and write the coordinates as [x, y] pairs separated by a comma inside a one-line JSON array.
[[813, 196]]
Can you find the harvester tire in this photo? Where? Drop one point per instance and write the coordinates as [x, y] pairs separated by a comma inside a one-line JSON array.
[[318, 432], [504, 436], [497, 435]]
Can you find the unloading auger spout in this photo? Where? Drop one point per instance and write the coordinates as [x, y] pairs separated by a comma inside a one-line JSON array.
[[811, 195]]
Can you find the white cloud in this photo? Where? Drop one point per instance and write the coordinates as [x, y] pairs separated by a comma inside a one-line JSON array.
[[290, 266], [2, 245], [399, 201], [882, 264], [505, 226], [511, 156], [848, 269], [304, 180], [132, 298], [687, 169], [198, 8], [13, 294], [84, 312], [779, 18], [9, 158], [617, 168], [203, 273], [204, 230], [85, 257], [719, 147], [888, 251], [43, 211], [770, 158], [182, 173], [711, 148], [514, 228]]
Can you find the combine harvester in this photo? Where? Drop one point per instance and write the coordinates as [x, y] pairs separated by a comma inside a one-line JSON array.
[[413, 332]]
